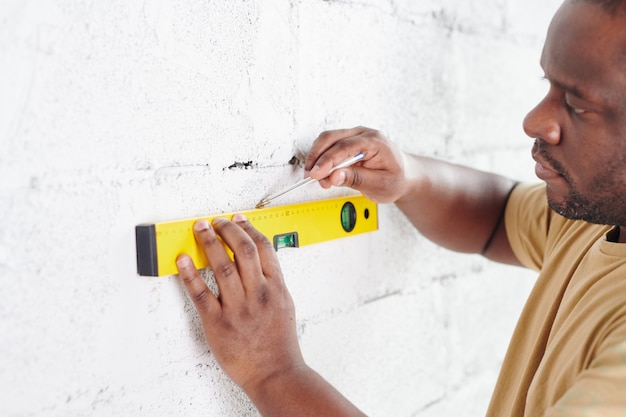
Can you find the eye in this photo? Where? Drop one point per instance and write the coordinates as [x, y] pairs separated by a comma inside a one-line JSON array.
[[573, 110]]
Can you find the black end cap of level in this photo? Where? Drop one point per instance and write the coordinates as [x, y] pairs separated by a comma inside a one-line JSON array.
[[145, 236]]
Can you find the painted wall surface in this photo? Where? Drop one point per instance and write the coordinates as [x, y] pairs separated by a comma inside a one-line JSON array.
[[118, 112]]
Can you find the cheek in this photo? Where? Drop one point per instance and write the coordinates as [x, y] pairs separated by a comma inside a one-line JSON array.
[[602, 172], [593, 148]]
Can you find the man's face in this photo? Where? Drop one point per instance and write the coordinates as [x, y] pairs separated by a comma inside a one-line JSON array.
[[580, 126]]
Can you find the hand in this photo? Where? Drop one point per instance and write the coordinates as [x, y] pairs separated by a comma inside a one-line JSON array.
[[251, 326], [380, 175]]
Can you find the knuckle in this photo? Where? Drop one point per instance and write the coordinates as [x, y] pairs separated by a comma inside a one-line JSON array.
[[208, 239], [357, 179], [246, 249], [262, 241], [373, 135], [202, 298], [343, 144], [309, 159], [263, 295], [325, 135], [188, 276], [259, 239], [225, 270]]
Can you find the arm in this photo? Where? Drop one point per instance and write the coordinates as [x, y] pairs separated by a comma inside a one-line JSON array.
[[454, 206], [251, 327]]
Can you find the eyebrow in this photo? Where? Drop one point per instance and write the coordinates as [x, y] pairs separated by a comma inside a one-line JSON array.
[[568, 88], [571, 89]]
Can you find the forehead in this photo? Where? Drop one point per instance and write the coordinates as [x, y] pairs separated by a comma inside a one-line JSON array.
[[586, 46]]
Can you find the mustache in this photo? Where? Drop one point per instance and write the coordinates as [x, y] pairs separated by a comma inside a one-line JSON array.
[[545, 155]]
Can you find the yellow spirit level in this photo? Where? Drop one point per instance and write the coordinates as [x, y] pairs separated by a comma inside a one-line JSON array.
[[159, 244]]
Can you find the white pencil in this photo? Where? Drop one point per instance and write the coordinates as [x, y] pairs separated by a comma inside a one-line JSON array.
[[350, 161]]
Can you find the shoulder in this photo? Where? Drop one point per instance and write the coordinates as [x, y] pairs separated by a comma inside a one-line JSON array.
[[534, 230]]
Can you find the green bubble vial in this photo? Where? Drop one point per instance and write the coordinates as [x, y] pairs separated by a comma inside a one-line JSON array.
[[287, 240]]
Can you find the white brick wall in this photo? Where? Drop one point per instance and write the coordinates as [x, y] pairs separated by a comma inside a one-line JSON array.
[[119, 112]]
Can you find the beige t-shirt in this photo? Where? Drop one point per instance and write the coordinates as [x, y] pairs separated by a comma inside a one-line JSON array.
[[567, 356]]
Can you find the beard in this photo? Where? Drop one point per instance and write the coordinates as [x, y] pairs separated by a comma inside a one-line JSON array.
[[577, 207], [602, 204]]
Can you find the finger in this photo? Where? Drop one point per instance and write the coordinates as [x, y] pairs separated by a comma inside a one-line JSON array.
[[224, 269], [267, 254], [368, 141], [246, 254], [206, 303], [377, 185], [348, 177], [324, 142]]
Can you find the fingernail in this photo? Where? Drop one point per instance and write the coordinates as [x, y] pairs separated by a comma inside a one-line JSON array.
[[314, 170], [183, 261], [342, 178], [201, 225], [239, 218], [218, 220]]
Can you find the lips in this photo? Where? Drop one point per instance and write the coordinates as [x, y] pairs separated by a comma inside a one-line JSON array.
[[545, 173], [543, 169]]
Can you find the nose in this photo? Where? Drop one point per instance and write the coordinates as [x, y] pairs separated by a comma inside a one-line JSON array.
[[542, 123]]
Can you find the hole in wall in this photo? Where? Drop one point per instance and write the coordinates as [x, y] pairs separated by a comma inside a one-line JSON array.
[[241, 165]]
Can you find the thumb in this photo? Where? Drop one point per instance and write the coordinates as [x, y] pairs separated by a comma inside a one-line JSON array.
[[206, 303], [377, 185]]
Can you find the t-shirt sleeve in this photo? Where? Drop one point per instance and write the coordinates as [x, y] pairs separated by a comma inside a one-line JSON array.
[[526, 220]]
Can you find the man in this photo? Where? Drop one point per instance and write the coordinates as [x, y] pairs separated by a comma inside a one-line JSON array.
[[568, 354]]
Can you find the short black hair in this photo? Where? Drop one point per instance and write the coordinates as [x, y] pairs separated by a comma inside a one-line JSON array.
[[613, 7]]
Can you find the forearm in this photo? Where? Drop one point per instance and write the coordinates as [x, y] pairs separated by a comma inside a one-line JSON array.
[[300, 392], [454, 206]]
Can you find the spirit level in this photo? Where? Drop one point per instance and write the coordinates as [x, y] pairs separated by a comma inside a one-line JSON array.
[[159, 244]]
